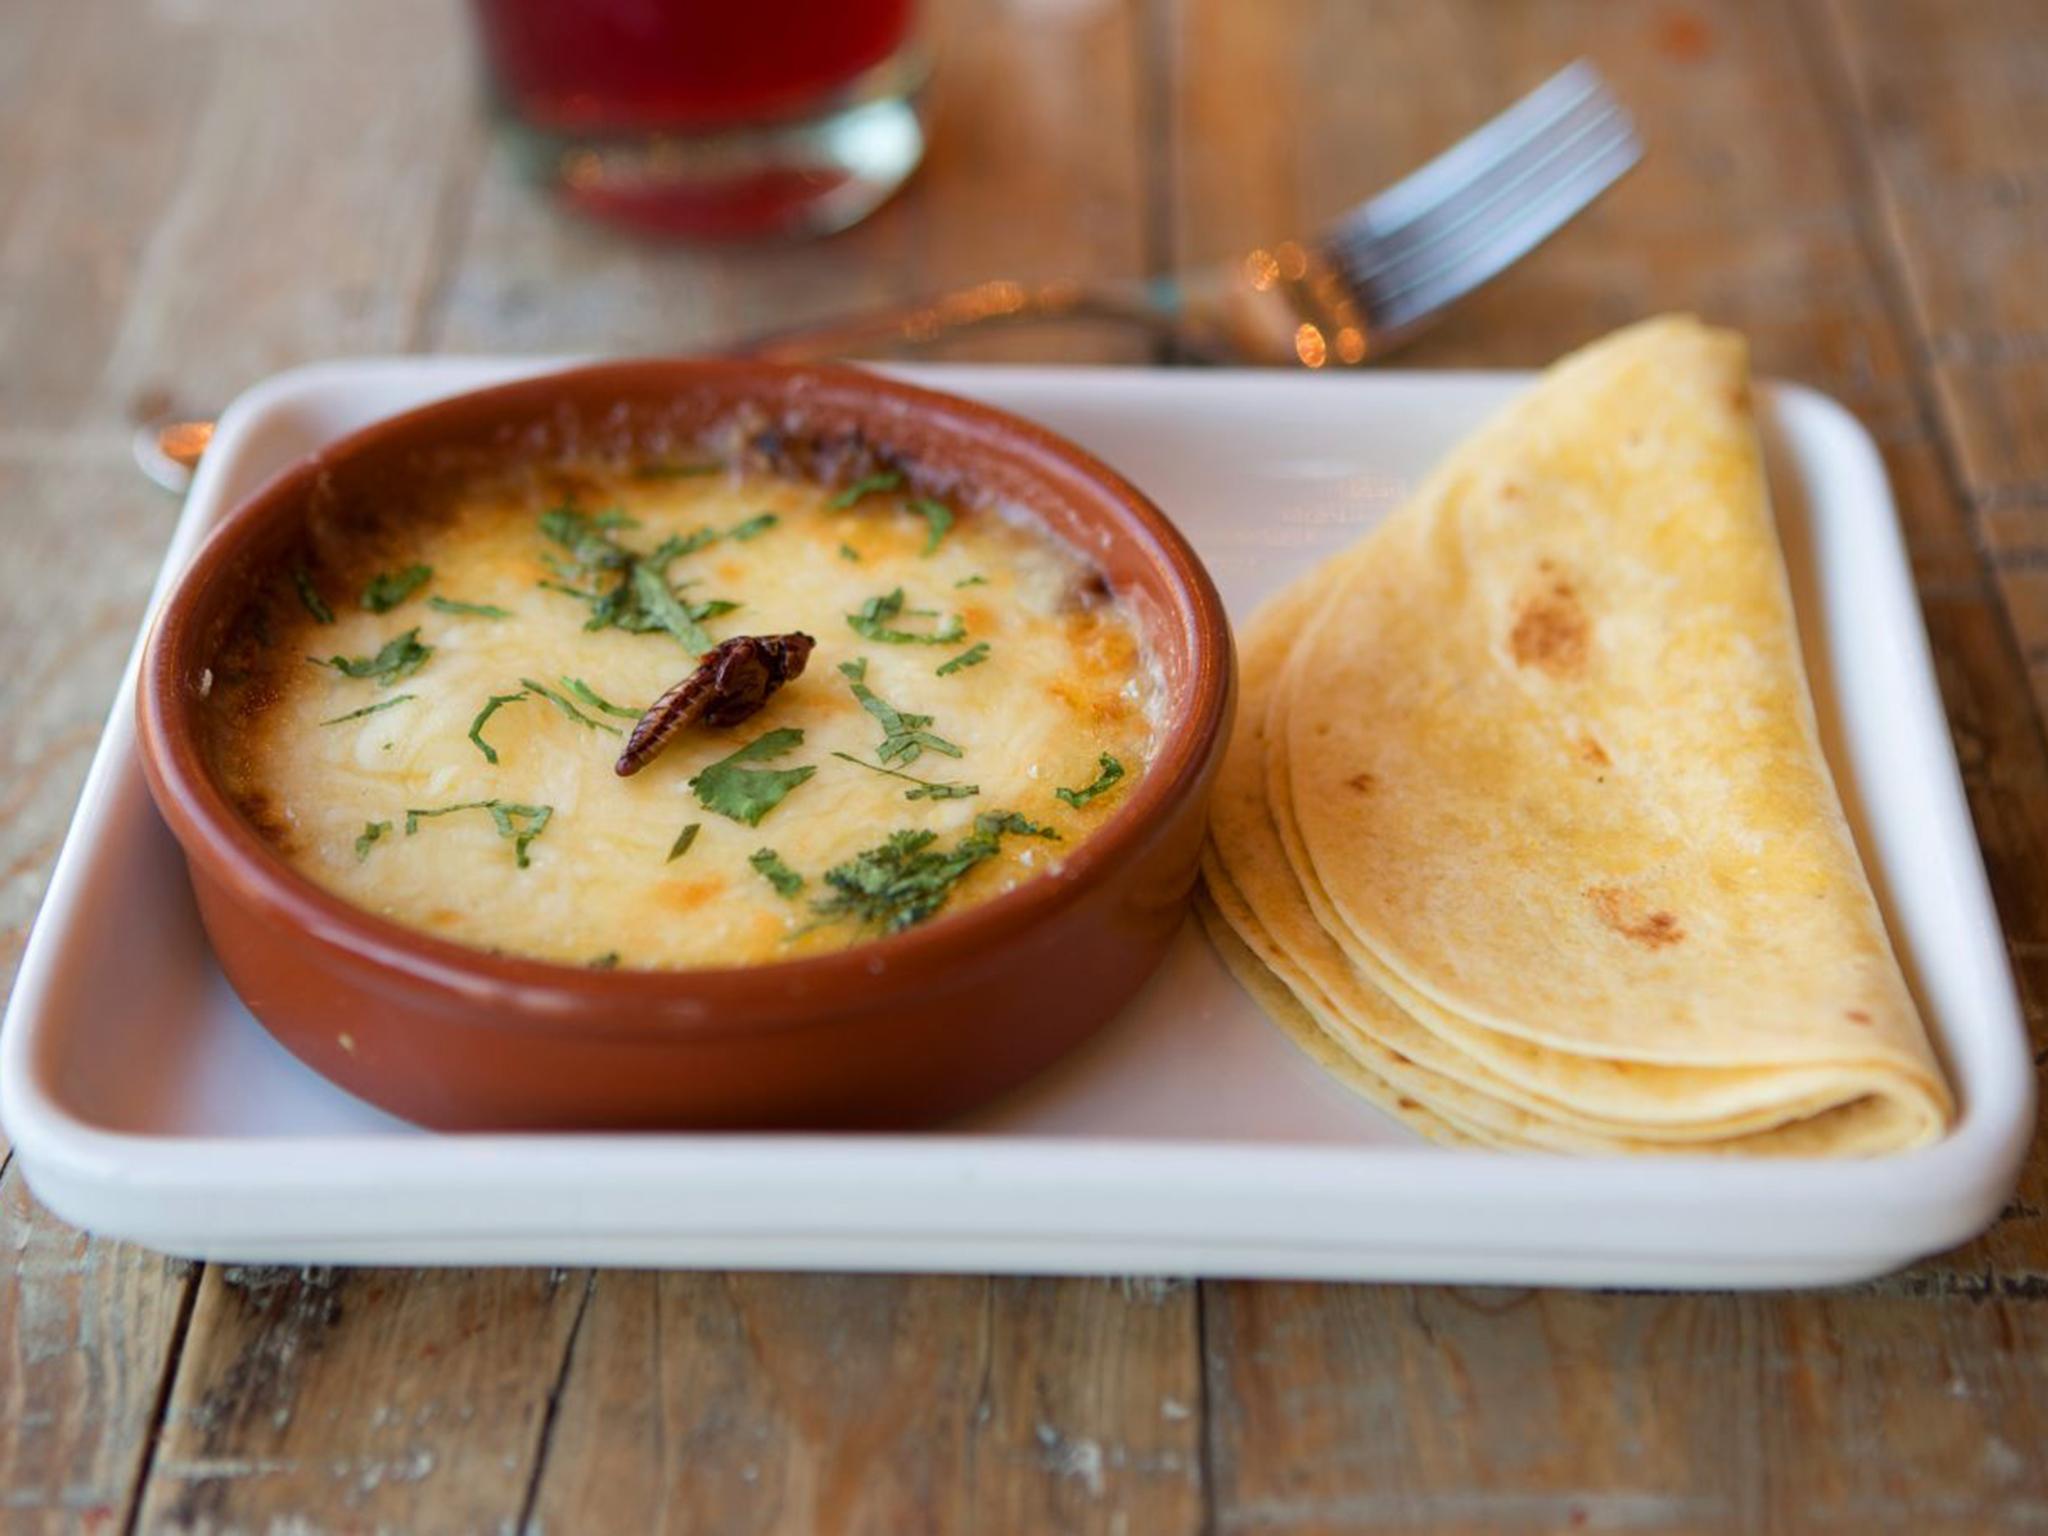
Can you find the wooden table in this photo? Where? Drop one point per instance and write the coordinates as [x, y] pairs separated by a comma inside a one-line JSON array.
[[194, 193]]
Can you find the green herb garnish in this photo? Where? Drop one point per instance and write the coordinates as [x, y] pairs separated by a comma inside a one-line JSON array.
[[468, 610], [787, 882], [608, 961], [595, 700], [640, 599], [904, 880], [973, 656], [520, 824], [976, 580], [372, 830], [496, 702], [848, 552], [1105, 779], [371, 709], [867, 485], [390, 588], [926, 789], [310, 596], [569, 711], [748, 794], [753, 527], [903, 735], [662, 609], [399, 657], [877, 613], [587, 537], [683, 840], [938, 517]]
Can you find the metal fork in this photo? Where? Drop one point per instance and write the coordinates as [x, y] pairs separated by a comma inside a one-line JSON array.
[[1379, 276]]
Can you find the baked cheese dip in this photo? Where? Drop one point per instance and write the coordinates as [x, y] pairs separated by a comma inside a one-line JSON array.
[[432, 718]]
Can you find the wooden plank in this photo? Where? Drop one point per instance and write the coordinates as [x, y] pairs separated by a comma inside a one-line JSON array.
[[1033, 174], [361, 1399], [1446, 1411], [1959, 180], [86, 1335], [763, 1403]]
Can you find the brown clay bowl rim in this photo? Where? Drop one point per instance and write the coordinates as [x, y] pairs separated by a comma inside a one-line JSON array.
[[213, 834]]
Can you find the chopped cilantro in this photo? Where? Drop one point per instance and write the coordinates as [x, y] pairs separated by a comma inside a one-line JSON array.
[[926, 789], [973, 656], [608, 961], [683, 840], [662, 609], [1111, 771], [867, 485], [520, 824], [310, 596], [787, 882], [753, 527], [848, 552], [590, 696], [903, 735], [390, 588], [876, 614], [976, 580], [442, 604], [371, 709], [587, 537], [568, 711], [639, 599], [748, 794], [496, 702], [372, 830], [938, 517], [904, 880], [399, 657]]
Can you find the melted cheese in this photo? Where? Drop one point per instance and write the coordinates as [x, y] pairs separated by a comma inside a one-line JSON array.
[[1064, 682]]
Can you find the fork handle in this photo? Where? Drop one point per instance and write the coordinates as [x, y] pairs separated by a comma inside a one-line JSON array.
[[1215, 314], [1156, 307]]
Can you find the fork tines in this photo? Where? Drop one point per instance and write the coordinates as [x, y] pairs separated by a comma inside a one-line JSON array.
[[1483, 203]]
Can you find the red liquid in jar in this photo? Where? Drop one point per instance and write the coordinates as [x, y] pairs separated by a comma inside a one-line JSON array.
[[627, 66]]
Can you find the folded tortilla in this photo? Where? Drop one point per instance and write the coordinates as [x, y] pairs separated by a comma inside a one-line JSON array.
[[1528, 812]]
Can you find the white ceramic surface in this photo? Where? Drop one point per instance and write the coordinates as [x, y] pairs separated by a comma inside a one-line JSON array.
[[145, 1102]]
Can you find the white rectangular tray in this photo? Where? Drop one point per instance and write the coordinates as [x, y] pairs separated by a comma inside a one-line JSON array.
[[145, 1102]]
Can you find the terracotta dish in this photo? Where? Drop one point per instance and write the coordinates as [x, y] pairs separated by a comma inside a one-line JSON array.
[[905, 1029]]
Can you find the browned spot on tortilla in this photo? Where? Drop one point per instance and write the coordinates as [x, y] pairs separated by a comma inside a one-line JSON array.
[[1631, 917], [1408, 1104], [1858, 1016], [1322, 727], [1739, 398], [1551, 629], [1592, 752], [1364, 783]]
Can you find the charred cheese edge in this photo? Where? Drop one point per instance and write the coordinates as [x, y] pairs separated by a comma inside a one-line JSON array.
[[1065, 681]]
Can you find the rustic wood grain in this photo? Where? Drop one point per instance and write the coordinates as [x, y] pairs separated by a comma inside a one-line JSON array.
[[364, 1400], [87, 1329], [793, 1404], [1445, 1411]]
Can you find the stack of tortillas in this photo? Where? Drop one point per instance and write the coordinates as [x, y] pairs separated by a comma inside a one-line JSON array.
[[1526, 833]]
